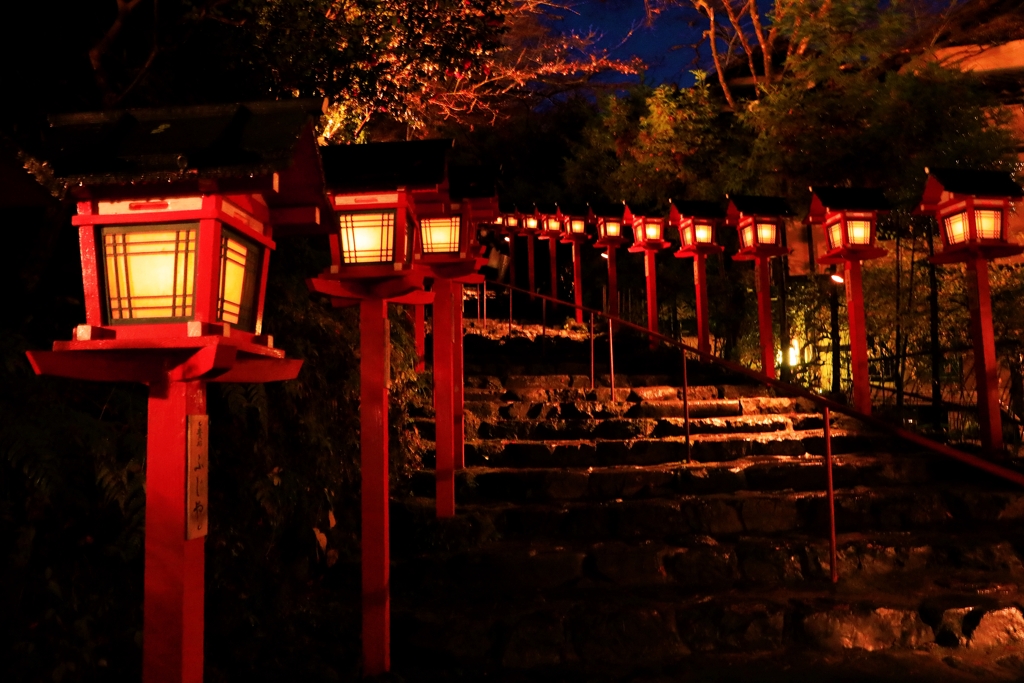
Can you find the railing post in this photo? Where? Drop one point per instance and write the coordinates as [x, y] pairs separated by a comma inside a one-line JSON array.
[[591, 351], [686, 409], [611, 357], [832, 558]]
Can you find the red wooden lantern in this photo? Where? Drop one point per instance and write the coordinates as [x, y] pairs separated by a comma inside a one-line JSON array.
[[442, 252], [372, 190], [610, 236], [647, 239], [972, 209], [848, 218], [697, 223], [575, 233], [761, 226], [175, 249]]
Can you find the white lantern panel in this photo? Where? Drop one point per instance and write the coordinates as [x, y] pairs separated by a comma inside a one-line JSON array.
[[989, 224], [956, 228], [747, 236], [835, 235], [150, 272], [858, 232], [440, 235], [766, 233], [368, 237], [703, 233], [577, 226], [612, 228]]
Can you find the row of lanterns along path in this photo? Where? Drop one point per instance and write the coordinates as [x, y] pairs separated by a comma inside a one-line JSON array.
[[177, 214]]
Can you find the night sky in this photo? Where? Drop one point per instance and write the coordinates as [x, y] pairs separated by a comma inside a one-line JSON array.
[[666, 47]]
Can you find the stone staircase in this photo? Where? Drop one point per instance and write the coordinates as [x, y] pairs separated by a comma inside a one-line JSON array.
[[589, 544]]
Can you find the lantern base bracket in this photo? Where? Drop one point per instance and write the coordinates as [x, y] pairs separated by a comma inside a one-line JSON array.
[[751, 254]]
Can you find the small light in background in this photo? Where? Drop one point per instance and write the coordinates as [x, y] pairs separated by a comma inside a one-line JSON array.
[[507, 239], [604, 254], [837, 278], [794, 353]]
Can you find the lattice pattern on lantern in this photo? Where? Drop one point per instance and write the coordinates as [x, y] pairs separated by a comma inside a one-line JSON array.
[[747, 236], [239, 278], [368, 237], [150, 272], [989, 224], [858, 231], [766, 233], [531, 223], [440, 235], [956, 228], [835, 235], [612, 228], [652, 230], [577, 226], [552, 225]]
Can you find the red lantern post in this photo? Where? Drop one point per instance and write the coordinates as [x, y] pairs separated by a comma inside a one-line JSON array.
[[972, 209], [759, 221], [576, 235], [609, 236], [647, 240], [371, 254], [697, 222], [849, 216], [174, 271]]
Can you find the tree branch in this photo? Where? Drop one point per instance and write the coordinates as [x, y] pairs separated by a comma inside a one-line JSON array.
[[100, 49], [766, 46], [734, 19], [713, 38]]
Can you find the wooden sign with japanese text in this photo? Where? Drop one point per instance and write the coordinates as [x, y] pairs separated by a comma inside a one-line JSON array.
[[197, 477]]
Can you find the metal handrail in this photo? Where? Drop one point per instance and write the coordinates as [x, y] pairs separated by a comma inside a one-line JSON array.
[[793, 390]]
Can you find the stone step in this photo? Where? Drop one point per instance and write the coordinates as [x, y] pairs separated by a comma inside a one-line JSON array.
[[661, 392], [765, 473], [880, 561], [729, 515], [619, 637], [561, 429], [504, 408], [653, 451]]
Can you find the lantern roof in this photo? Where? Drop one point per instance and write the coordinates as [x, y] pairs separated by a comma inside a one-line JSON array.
[[414, 164], [755, 205], [826, 199], [964, 181], [209, 148], [698, 209]]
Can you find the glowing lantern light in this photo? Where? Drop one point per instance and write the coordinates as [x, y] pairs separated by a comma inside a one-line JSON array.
[[441, 235], [367, 237]]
